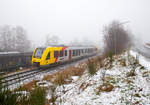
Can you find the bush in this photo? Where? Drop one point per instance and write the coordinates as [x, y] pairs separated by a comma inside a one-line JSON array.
[[7, 97], [60, 79], [91, 67], [110, 55], [38, 96]]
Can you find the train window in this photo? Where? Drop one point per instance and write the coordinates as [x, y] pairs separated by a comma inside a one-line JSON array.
[[61, 53], [76, 52], [65, 52], [79, 52], [55, 54], [48, 56], [73, 53], [39, 52]]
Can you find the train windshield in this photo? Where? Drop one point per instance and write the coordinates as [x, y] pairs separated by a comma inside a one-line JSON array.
[[39, 52]]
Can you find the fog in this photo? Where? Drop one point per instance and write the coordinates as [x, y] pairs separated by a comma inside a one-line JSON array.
[[75, 19]]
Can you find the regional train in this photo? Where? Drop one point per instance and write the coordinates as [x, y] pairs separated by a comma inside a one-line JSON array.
[[60, 54]]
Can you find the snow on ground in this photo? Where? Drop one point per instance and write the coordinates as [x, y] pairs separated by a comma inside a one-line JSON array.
[[142, 60], [131, 85]]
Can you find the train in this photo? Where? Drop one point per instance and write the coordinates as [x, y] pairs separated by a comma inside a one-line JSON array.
[[43, 56], [11, 61]]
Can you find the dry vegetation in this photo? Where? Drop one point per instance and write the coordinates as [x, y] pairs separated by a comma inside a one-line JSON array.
[[64, 76], [27, 87]]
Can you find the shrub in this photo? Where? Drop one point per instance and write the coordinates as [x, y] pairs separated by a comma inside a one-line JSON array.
[[38, 96], [60, 79], [53, 96], [23, 100], [110, 55], [7, 97], [91, 67]]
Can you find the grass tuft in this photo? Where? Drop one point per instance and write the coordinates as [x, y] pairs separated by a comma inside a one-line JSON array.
[[91, 67], [38, 96]]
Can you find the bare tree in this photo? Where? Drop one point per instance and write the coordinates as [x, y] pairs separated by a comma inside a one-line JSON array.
[[6, 38], [22, 42], [13, 39], [116, 38], [51, 40]]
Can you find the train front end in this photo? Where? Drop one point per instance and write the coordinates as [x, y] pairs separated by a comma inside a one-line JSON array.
[[37, 56]]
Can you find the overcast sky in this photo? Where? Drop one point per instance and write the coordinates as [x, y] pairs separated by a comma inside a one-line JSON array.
[[75, 19]]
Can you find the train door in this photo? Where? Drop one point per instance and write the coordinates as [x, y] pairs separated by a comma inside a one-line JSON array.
[[70, 56], [48, 58]]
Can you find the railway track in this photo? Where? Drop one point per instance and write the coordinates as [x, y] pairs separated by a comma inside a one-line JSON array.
[[19, 77], [9, 80]]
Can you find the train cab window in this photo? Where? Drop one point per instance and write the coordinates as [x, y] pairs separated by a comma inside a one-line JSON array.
[[65, 52], [61, 53], [39, 52], [55, 54], [48, 56]]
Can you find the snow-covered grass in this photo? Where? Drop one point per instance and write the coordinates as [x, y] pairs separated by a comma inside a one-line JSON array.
[[142, 60], [123, 82]]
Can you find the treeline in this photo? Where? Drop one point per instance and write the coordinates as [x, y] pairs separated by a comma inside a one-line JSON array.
[[14, 39]]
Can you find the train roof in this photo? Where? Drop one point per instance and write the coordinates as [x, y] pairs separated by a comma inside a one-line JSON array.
[[14, 53], [69, 47], [79, 47]]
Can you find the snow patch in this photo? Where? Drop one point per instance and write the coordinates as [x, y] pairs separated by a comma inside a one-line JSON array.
[[142, 60]]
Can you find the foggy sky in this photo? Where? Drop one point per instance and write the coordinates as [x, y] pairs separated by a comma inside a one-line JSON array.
[[75, 19]]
